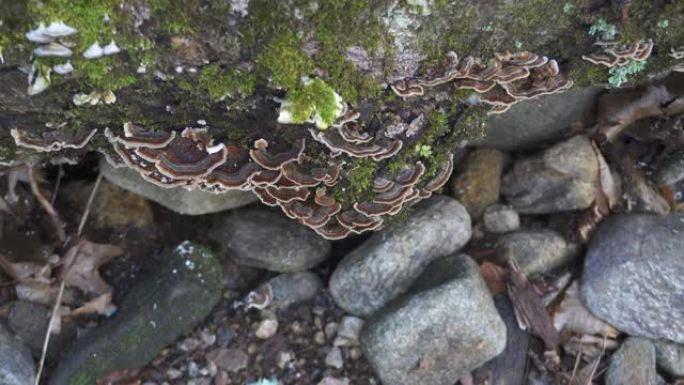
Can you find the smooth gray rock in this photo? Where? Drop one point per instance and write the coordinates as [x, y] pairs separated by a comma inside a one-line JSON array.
[[561, 178], [634, 363], [178, 199], [670, 357], [16, 364], [531, 123], [156, 312], [634, 275], [267, 239], [29, 321], [500, 219], [294, 289], [386, 265], [509, 367], [446, 326], [671, 171], [535, 251]]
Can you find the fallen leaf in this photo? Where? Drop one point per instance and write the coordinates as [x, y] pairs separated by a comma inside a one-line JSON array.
[[529, 309], [81, 263], [494, 276], [100, 305], [572, 316]]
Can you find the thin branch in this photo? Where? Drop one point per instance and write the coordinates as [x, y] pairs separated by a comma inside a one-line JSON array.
[[55, 309], [47, 206], [91, 198], [60, 174]]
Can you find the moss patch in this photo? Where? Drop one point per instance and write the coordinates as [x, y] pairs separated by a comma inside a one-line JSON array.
[[315, 97], [284, 60], [220, 83]]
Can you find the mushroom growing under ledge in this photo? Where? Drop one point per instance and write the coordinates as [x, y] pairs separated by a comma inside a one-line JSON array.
[[52, 140]]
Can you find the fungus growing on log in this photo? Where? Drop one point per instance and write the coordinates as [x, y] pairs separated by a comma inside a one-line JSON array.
[[614, 54], [52, 140], [502, 82]]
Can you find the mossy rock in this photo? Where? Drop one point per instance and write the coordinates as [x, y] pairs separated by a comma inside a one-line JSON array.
[[155, 313]]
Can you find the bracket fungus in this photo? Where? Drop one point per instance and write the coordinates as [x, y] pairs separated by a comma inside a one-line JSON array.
[[52, 140], [614, 54], [502, 82]]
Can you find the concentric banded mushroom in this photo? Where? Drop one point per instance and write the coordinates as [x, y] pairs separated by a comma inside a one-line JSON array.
[[51, 140], [616, 54], [505, 80]]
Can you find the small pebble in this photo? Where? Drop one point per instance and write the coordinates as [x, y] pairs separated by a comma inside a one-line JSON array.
[[193, 369], [267, 329], [348, 332], [173, 374], [189, 344], [331, 330], [334, 358], [355, 353], [284, 358], [225, 336], [231, 360], [208, 338], [319, 338], [334, 381]]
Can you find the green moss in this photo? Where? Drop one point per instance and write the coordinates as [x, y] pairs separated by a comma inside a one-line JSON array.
[[314, 97], [285, 61], [358, 186], [220, 83]]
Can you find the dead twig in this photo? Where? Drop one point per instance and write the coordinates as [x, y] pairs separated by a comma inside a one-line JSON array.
[[91, 198], [53, 316], [47, 206]]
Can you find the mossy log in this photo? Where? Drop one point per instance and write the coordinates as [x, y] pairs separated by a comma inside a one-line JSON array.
[[225, 65]]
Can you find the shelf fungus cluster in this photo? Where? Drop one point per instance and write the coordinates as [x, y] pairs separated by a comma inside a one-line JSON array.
[[502, 82], [279, 174], [616, 54], [678, 54]]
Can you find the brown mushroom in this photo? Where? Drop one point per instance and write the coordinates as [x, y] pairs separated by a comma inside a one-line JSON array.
[[51, 140]]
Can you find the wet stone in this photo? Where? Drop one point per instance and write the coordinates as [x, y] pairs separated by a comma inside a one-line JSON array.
[[269, 240], [560, 178], [16, 364], [29, 321], [535, 251], [445, 326], [178, 199], [633, 363], [634, 276], [156, 312], [386, 264], [477, 180], [670, 357]]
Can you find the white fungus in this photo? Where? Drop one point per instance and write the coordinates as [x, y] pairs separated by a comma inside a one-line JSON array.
[[94, 51]]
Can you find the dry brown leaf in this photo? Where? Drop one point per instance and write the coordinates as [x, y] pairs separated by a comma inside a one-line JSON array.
[[572, 316], [529, 309], [121, 377], [100, 305], [494, 276], [81, 264]]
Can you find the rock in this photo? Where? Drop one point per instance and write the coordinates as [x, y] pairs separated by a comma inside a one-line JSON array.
[[500, 219], [531, 123], [178, 199], [633, 363], [112, 206], [156, 312], [508, 368], [348, 331], [334, 381], [269, 240], [29, 321], [671, 171], [232, 360], [284, 358], [16, 364], [634, 275], [561, 178], [477, 180], [386, 264], [535, 251], [267, 328], [446, 326], [334, 358], [670, 357], [294, 289]]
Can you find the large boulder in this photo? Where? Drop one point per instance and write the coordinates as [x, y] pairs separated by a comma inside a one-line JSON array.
[[447, 325], [385, 265], [634, 275]]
